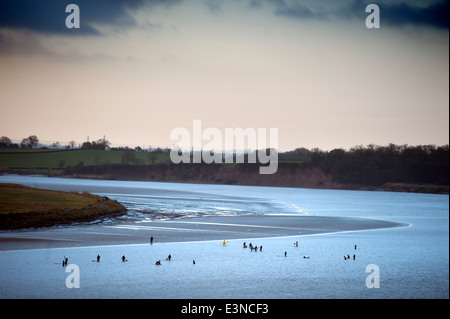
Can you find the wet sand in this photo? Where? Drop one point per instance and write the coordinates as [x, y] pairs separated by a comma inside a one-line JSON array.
[[186, 230]]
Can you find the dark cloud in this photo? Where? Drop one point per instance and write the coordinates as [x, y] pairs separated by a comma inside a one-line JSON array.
[[49, 16], [431, 13], [436, 15]]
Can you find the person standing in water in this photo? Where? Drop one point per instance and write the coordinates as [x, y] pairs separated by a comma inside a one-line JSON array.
[[98, 258], [151, 240]]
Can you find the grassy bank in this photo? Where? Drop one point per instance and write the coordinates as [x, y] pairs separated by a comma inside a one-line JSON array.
[[24, 207]]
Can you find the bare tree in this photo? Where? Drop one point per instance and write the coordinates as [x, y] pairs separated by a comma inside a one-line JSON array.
[[33, 141], [29, 142], [5, 140]]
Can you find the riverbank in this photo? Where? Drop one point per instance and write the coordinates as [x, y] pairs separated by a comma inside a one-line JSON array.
[[27, 207], [288, 175], [308, 181]]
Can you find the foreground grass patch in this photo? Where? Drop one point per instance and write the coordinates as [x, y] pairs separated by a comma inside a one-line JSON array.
[[23, 207]]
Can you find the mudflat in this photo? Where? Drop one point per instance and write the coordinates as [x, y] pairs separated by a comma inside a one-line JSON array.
[[185, 230]]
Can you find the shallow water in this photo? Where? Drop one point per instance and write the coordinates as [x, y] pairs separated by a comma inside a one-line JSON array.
[[413, 261]]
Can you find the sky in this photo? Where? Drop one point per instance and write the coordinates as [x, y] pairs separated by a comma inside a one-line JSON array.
[[136, 70]]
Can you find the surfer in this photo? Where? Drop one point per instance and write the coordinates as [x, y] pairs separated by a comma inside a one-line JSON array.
[[151, 240], [123, 258], [158, 262], [193, 261], [98, 258], [169, 257], [285, 253]]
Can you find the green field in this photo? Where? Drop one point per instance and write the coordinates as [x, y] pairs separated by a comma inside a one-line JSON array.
[[51, 159]]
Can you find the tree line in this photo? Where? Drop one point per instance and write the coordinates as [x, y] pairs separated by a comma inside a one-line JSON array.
[[27, 142], [30, 142], [377, 165]]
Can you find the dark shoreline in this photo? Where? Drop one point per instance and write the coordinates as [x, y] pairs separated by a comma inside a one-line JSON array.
[[387, 187]]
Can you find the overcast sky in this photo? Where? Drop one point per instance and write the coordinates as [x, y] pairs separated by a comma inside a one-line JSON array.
[[135, 70]]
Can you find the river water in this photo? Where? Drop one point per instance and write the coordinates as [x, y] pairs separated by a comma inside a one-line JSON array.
[[413, 261]]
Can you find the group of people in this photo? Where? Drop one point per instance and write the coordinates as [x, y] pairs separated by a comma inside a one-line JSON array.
[[348, 257], [260, 248], [169, 258], [158, 262], [66, 260], [253, 247]]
